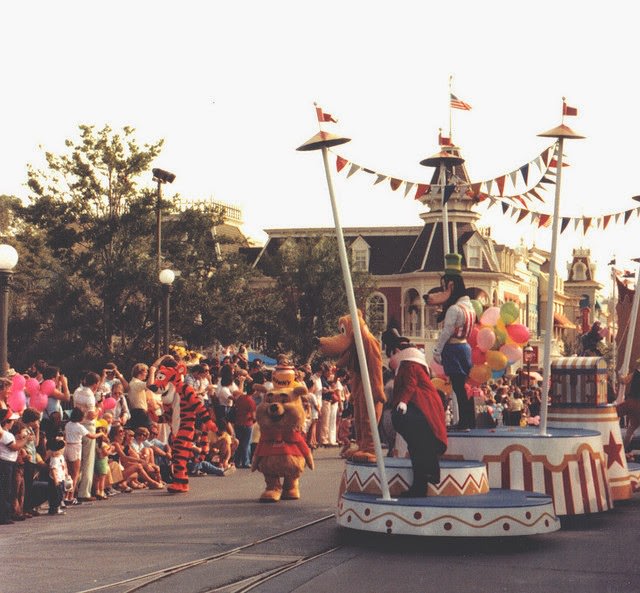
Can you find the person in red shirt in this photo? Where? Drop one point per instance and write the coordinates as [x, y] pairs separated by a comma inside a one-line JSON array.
[[245, 416]]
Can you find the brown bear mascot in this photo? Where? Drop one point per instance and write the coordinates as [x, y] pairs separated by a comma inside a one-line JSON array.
[[343, 346], [282, 451]]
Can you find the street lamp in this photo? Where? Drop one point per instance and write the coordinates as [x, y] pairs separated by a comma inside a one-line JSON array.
[[160, 176], [166, 278], [8, 261], [527, 352]]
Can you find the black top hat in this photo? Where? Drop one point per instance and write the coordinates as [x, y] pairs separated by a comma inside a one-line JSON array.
[[391, 340]]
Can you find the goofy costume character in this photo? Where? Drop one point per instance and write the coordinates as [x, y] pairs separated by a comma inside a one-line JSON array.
[[182, 407], [452, 350]]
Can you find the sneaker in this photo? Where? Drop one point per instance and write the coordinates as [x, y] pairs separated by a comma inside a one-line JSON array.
[[111, 492], [87, 499], [56, 512]]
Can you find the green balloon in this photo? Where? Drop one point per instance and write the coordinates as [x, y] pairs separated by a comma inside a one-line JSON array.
[[509, 312], [477, 307]]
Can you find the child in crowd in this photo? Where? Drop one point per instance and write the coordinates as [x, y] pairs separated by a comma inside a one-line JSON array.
[[224, 446], [57, 477], [101, 468], [345, 426]]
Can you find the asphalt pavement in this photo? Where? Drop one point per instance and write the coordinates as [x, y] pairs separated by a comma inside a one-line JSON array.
[[220, 538]]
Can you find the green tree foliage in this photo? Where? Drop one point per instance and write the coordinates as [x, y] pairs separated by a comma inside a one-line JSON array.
[[308, 281]]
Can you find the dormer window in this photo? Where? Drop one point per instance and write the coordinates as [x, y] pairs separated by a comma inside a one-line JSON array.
[[360, 255], [474, 256]]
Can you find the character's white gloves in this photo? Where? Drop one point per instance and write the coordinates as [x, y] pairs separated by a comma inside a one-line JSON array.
[[402, 408]]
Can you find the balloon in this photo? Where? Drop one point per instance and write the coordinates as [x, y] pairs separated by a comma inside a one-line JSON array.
[[496, 360], [473, 336], [18, 383], [509, 312], [501, 332], [478, 356], [480, 373], [437, 369], [17, 401], [477, 307], [518, 333], [497, 374], [32, 387], [513, 352], [486, 338], [109, 403], [47, 387], [38, 400], [490, 316]]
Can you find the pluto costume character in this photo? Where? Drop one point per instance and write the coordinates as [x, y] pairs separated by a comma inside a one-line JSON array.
[[343, 346], [182, 407], [282, 451]]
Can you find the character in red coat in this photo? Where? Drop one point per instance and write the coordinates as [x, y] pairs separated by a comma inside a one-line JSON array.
[[418, 412]]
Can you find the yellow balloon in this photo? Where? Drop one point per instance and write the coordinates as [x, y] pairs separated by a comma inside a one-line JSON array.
[[480, 373], [496, 360]]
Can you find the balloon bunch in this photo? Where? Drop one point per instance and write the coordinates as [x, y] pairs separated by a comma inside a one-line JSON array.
[[38, 393], [496, 341]]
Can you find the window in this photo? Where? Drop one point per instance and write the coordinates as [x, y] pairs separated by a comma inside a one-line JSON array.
[[474, 256], [376, 313], [579, 271], [360, 257]]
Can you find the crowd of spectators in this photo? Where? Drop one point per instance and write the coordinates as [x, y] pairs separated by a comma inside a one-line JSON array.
[[109, 434]]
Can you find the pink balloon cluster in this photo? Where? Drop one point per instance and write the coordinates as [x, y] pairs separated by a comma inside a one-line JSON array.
[[38, 393]]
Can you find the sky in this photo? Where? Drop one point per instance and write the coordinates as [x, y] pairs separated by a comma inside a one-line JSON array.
[[231, 86]]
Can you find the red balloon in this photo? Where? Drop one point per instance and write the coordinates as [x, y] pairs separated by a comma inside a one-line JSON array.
[[478, 356], [518, 333], [473, 336]]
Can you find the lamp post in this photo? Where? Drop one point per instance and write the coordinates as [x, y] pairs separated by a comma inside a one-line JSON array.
[[166, 278], [160, 176], [527, 352], [8, 261]]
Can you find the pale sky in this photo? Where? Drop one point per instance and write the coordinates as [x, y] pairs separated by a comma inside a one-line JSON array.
[[230, 87]]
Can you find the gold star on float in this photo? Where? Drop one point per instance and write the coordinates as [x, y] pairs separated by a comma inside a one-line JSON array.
[[613, 450]]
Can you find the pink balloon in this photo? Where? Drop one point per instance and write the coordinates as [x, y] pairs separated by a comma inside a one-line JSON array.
[[513, 352], [490, 316], [478, 356], [108, 403], [32, 387], [518, 332], [17, 401], [437, 369], [486, 337], [38, 401], [47, 387], [18, 383]]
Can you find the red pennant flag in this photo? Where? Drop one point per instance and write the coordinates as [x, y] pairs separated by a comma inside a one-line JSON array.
[[422, 189], [521, 200], [395, 183], [341, 163], [533, 192], [544, 220], [522, 214], [587, 223], [324, 117], [443, 140], [605, 221], [500, 182], [545, 155], [566, 110], [554, 163]]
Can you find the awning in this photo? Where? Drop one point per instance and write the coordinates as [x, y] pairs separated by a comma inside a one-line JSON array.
[[559, 320]]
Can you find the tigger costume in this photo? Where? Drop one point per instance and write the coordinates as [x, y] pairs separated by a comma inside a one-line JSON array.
[[182, 407]]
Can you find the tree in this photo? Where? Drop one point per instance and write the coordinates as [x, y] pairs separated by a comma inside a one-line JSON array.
[[308, 280]]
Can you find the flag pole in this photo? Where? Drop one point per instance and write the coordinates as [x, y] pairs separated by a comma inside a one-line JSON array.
[[560, 132], [633, 318], [450, 110], [322, 141]]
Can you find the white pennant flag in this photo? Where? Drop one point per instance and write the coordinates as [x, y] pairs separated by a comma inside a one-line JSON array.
[[539, 163], [514, 177], [353, 169], [489, 185], [576, 223], [407, 188], [380, 178]]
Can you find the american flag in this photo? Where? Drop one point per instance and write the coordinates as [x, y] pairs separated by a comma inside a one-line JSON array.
[[458, 104]]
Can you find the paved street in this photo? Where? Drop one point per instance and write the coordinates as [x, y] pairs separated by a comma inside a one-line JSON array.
[[220, 524]]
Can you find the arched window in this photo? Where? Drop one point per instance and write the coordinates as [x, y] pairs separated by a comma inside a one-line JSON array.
[[579, 271], [376, 313], [412, 312]]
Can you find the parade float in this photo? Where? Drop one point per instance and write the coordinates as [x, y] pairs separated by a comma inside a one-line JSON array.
[[501, 481]]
